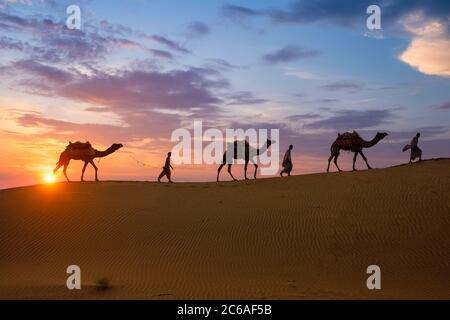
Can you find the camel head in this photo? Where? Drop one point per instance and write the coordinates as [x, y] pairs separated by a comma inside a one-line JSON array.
[[116, 146], [381, 135]]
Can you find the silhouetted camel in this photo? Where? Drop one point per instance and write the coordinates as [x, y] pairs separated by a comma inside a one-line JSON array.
[[84, 152], [352, 142], [242, 150]]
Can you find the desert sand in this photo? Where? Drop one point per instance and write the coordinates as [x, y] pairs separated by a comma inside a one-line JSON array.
[[302, 237]]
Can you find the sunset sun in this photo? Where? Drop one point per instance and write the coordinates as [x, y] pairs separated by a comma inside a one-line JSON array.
[[49, 177]]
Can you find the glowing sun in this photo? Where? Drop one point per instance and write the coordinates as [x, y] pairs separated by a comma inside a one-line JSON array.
[[49, 178]]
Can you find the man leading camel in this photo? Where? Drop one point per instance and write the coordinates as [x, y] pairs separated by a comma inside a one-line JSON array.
[[287, 162], [166, 169], [416, 152]]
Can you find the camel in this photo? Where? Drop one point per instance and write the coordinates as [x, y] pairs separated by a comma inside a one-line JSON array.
[[352, 142], [243, 150], [84, 152]]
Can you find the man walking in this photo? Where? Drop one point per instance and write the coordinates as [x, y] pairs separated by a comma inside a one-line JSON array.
[[416, 152], [166, 169], [287, 162]]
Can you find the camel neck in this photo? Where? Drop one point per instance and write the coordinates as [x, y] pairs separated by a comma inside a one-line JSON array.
[[101, 154], [371, 143], [262, 149]]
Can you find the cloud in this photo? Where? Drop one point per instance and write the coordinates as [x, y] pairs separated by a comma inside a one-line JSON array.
[[328, 100], [238, 12], [300, 117], [10, 22], [6, 3], [342, 12], [425, 132], [55, 43], [115, 28], [302, 74], [198, 29], [8, 43], [443, 106], [222, 64], [168, 43], [244, 97], [352, 119], [137, 90], [289, 53], [343, 85], [43, 72], [66, 130], [51, 41], [161, 54], [134, 95], [429, 50]]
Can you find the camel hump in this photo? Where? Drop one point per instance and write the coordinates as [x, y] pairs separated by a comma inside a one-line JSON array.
[[79, 145], [349, 135], [348, 138]]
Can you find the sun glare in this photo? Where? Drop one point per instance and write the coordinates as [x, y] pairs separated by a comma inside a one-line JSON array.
[[49, 177]]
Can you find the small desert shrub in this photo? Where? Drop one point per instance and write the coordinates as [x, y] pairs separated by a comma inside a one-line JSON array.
[[103, 284]]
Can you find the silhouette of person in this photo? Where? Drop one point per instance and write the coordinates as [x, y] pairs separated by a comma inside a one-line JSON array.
[[287, 162], [416, 152], [166, 169]]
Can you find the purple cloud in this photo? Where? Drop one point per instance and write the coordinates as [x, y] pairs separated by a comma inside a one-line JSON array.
[[12, 44], [55, 43], [289, 53], [299, 117], [161, 54], [328, 100], [343, 85], [222, 64], [352, 119], [168, 43], [43, 72], [244, 97], [238, 12], [443, 106], [198, 29], [342, 12]]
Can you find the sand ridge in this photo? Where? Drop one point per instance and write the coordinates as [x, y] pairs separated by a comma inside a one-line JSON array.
[[303, 237]]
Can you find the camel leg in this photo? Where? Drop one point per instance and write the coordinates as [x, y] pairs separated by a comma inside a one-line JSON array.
[[229, 171], [65, 171], [334, 154], [218, 171], [365, 159], [256, 170], [84, 169], [335, 162], [329, 161], [245, 169], [354, 160], [95, 168]]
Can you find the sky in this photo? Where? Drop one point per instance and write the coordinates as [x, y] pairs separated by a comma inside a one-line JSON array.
[[139, 69]]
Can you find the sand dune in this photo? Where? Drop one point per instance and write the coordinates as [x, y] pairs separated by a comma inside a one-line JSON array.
[[303, 237]]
